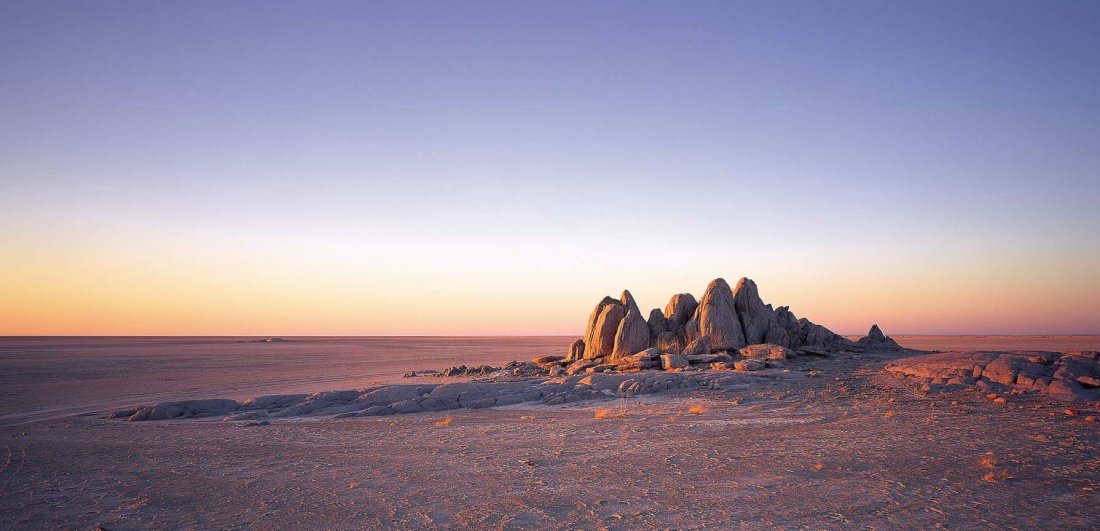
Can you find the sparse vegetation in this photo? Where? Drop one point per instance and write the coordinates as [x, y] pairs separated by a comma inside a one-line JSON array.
[[989, 460], [608, 413]]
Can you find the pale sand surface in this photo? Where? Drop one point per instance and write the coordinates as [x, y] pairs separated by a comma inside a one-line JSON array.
[[889, 456]]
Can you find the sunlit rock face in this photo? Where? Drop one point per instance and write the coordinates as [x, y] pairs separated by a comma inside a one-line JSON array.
[[627, 300], [590, 332], [631, 337], [603, 334], [724, 320], [718, 319]]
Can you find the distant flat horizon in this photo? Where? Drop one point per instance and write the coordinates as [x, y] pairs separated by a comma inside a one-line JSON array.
[[475, 336]]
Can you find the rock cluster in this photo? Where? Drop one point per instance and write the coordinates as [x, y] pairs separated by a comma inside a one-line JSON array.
[[1073, 376], [724, 321]]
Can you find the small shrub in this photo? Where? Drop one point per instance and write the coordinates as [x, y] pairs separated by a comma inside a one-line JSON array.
[[989, 460], [608, 413]]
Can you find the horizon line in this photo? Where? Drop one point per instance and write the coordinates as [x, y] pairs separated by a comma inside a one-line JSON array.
[[35, 336]]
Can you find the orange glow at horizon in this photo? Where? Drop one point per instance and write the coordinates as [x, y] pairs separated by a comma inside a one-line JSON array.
[[172, 292]]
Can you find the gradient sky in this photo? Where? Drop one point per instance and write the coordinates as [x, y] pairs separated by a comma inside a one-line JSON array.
[[282, 168]]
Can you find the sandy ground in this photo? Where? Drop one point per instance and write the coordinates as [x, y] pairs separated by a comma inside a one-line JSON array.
[[853, 447]]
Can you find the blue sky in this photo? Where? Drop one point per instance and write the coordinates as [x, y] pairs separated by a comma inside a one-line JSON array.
[[404, 148]]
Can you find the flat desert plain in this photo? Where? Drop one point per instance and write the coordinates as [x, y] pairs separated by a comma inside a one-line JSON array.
[[831, 443]]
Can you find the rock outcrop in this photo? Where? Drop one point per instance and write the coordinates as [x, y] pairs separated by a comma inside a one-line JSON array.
[[658, 324], [590, 329], [785, 329], [728, 319], [717, 317], [679, 310], [603, 333], [699, 346], [876, 338], [1071, 376], [417, 398], [669, 343], [756, 317], [765, 351], [576, 350], [631, 337], [627, 300]]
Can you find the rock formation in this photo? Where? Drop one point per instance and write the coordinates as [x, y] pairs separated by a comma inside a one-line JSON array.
[[756, 317], [1070, 376], [632, 335], [699, 346], [728, 319], [876, 338], [679, 310], [786, 330], [658, 324], [590, 330], [627, 300], [576, 350], [717, 317], [669, 343], [604, 332]]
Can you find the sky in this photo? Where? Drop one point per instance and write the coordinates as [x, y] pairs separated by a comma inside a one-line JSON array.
[[483, 168]]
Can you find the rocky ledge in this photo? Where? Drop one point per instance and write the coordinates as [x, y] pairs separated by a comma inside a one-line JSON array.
[[1071, 376], [409, 398]]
